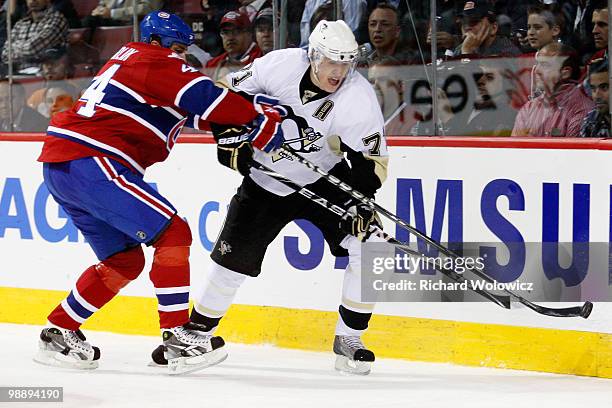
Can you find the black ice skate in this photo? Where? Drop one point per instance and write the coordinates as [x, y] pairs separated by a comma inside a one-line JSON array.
[[352, 356], [186, 348], [66, 348]]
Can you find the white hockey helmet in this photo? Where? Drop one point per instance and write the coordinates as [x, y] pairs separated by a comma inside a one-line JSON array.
[[334, 40]]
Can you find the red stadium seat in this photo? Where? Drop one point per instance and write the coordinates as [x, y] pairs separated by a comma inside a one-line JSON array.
[[183, 6], [109, 39], [84, 7]]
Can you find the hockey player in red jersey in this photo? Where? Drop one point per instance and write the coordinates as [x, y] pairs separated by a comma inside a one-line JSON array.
[[94, 160]]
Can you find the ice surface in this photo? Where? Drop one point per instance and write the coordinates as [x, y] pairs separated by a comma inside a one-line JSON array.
[[268, 377]]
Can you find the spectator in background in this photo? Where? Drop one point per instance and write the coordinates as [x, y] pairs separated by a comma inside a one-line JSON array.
[[600, 39], [384, 32], [205, 25], [600, 30], [56, 65], [480, 32], [352, 14], [57, 71], [264, 34], [117, 12], [493, 114], [240, 49], [41, 29], [543, 26], [597, 121], [559, 110], [25, 119], [57, 99], [20, 10]]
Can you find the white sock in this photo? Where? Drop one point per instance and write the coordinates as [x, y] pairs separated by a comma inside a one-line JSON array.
[[219, 291]]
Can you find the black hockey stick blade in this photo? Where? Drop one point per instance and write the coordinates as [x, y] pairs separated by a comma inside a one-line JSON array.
[[586, 309], [583, 311]]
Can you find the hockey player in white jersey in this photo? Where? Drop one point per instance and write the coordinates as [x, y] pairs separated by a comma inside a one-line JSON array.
[[331, 111]]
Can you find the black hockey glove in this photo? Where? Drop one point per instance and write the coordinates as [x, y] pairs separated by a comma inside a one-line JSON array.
[[233, 147], [358, 220]]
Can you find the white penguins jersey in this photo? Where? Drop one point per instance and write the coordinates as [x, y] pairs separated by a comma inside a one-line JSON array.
[[316, 120]]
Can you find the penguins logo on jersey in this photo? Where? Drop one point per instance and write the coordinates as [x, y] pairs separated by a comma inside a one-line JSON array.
[[306, 140], [224, 248], [308, 95]]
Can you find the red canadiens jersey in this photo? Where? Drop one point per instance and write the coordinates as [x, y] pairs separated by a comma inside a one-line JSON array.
[[136, 106]]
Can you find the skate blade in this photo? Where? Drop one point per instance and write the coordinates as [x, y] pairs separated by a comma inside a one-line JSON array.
[[57, 359], [347, 366], [182, 365]]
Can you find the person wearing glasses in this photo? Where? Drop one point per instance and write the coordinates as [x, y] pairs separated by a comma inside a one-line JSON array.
[[240, 49]]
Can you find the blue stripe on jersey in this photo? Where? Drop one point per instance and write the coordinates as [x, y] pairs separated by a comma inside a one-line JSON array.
[[200, 96], [158, 117], [77, 307], [173, 299], [192, 121]]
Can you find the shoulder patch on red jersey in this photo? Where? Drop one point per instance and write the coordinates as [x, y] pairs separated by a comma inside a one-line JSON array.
[[187, 68], [175, 55]]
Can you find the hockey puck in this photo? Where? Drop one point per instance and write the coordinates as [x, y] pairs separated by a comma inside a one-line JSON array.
[[587, 308]]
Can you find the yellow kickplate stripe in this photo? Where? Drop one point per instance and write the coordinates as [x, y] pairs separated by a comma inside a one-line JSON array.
[[474, 344]]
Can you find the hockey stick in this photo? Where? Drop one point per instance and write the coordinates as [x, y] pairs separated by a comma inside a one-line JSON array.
[[395, 112], [575, 311], [503, 301], [298, 139]]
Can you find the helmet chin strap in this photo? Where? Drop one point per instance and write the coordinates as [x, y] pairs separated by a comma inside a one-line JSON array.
[[315, 76], [315, 62]]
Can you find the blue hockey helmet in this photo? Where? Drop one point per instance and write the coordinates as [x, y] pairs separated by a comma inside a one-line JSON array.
[[169, 28]]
